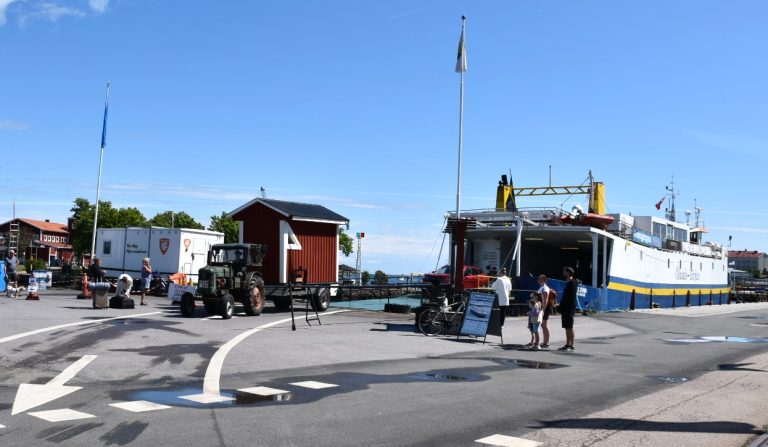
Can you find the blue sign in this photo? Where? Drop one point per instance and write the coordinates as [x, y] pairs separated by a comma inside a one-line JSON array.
[[477, 314], [646, 238], [3, 285]]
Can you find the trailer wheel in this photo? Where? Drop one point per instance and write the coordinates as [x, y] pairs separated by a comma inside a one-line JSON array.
[[322, 300], [227, 308], [211, 307], [254, 301], [283, 303], [187, 304]]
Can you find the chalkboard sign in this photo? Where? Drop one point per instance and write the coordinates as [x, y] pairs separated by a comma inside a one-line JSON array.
[[478, 314]]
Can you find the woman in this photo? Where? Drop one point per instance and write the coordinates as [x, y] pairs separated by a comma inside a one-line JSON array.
[[146, 277]]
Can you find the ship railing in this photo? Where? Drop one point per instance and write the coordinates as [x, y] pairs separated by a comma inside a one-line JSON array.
[[486, 217]]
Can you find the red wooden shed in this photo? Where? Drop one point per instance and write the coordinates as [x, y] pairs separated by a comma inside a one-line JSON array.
[[299, 237]]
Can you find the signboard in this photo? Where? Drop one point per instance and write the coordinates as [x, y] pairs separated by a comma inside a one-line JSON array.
[[646, 238], [477, 314], [43, 279], [175, 291], [32, 286]]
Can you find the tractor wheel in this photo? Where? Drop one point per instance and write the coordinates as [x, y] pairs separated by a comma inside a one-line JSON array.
[[211, 307], [187, 304], [282, 304], [227, 308], [254, 301], [322, 300]]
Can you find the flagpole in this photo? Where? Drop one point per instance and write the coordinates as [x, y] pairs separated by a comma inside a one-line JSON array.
[[461, 68], [98, 183]]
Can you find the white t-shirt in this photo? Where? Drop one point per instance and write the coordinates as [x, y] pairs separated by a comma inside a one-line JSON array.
[[502, 286], [544, 292]]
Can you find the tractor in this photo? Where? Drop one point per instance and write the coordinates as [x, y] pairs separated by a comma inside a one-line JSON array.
[[232, 274]]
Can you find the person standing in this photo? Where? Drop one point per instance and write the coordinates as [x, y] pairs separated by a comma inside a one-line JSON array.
[[502, 286], [146, 277], [534, 320], [95, 273], [568, 308], [11, 263], [547, 306]]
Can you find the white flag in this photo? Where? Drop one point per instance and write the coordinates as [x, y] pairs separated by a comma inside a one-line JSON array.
[[461, 58]]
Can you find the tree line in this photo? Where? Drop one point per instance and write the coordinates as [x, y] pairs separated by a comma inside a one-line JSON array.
[[84, 211]]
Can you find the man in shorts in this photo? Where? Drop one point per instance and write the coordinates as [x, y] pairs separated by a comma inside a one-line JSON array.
[[11, 263], [568, 308]]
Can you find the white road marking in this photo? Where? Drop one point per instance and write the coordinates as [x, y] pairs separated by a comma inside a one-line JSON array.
[[30, 396], [2, 426], [79, 323], [207, 398], [61, 415], [139, 406], [508, 441], [311, 384], [211, 383], [263, 391]]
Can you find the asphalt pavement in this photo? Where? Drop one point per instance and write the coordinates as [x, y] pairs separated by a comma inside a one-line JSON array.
[[73, 375]]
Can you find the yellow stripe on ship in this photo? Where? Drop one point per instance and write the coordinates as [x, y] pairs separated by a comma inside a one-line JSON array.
[[666, 291]]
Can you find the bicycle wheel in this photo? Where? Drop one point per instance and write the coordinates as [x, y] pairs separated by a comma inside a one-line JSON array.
[[431, 322]]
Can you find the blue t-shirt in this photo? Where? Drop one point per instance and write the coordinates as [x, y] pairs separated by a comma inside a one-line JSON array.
[[12, 263]]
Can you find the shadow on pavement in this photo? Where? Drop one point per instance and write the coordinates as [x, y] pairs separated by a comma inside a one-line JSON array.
[[659, 426]]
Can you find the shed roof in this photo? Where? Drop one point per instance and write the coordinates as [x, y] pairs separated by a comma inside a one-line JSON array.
[[52, 227], [346, 268], [297, 211]]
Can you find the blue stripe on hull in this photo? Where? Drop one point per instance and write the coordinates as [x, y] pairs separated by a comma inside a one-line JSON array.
[[621, 300]]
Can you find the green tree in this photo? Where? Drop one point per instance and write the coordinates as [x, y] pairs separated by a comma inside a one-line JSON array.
[[109, 217], [227, 225], [365, 276], [346, 244], [380, 278], [171, 219]]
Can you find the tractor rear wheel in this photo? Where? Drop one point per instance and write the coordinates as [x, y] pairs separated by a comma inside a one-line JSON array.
[[227, 308], [187, 304], [254, 301]]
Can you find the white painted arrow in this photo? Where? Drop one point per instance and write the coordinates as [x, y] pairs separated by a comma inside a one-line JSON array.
[[30, 396]]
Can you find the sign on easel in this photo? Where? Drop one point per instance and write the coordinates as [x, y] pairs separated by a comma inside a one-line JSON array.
[[478, 314]]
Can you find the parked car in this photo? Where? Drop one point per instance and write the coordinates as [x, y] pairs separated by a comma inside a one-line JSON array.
[[474, 278]]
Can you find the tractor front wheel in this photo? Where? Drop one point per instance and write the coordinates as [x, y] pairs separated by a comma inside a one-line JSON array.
[[227, 306]]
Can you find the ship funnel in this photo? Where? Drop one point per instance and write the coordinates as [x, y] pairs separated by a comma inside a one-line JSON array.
[[597, 198], [505, 196]]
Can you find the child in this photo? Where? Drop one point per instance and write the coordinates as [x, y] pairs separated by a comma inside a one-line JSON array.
[[534, 320]]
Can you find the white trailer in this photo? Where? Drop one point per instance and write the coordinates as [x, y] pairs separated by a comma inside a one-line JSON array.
[[171, 250]]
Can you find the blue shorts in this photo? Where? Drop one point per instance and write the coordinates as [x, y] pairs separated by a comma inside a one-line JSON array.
[[145, 282], [534, 328]]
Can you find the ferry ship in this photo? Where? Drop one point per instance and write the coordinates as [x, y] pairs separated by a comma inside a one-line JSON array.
[[621, 261]]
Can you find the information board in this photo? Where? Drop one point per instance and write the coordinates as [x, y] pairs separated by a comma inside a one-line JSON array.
[[478, 314], [43, 279], [175, 291]]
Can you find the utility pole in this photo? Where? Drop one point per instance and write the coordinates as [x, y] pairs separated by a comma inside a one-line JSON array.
[[359, 262]]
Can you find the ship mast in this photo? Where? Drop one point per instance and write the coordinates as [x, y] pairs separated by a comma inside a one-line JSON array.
[[671, 210]]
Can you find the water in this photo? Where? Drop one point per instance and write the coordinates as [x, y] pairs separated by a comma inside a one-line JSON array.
[[377, 304]]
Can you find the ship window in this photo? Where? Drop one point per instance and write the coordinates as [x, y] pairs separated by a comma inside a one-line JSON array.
[[701, 266], [669, 262], [691, 265], [681, 263]]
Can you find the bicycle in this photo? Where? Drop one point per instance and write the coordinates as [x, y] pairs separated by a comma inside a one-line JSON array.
[[438, 319]]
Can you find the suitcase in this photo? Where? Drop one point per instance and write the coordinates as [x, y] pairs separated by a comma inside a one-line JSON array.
[[99, 291], [121, 302]]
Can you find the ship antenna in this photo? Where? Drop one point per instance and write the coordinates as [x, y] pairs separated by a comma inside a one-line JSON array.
[[672, 193]]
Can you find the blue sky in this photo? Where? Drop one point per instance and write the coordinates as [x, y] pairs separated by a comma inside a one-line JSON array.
[[354, 105]]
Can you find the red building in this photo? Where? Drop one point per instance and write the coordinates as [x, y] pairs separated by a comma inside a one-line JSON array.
[[300, 237], [38, 239]]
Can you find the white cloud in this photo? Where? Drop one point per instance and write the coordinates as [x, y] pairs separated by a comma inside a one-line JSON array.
[[754, 146], [3, 8], [8, 124], [757, 230], [98, 6], [53, 12]]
